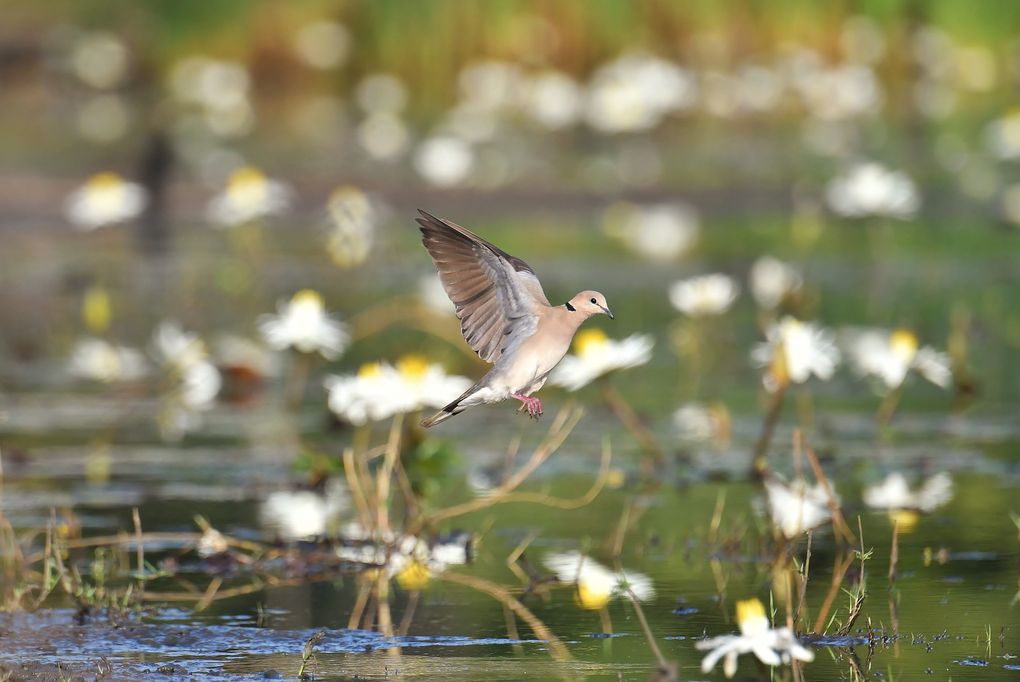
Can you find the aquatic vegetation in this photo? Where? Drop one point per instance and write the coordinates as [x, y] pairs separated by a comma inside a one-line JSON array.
[[771, 646], [106, 198], [595, 583]]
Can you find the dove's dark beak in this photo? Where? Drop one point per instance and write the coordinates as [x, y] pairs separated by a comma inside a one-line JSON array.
[[607, 311]]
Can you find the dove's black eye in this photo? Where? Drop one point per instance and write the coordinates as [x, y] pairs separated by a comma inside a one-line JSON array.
[[594, 301]]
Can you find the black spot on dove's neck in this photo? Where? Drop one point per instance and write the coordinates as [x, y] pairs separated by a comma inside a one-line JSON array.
[[570, 307]]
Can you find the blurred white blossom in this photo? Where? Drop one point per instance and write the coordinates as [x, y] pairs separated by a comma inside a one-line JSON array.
[[444, 161], [249, 195], [323, 44], [704, 296], [796, 507], [657, 232], [303, 324], [100, 360], [100, 60], [352, 226], [304, 514], [770, 646], [595, 354], [104, 199], [772, 281], [871, 189], [894, 493], [888, 355], [795, 350], [595, 583]]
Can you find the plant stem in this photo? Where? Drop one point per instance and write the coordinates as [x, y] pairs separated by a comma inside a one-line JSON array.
[[759, 461]]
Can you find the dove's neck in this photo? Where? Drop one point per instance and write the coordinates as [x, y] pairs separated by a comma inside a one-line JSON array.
[[562, 318]]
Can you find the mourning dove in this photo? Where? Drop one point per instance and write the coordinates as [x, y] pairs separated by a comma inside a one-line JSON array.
[[504, 316]]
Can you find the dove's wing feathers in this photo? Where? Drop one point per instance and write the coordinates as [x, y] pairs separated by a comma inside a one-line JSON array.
[[497, 296]]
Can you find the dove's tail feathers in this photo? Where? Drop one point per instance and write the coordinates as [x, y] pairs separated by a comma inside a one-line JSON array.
[[451, 410]]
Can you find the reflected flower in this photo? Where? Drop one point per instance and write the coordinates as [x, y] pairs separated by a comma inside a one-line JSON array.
[[596, 584], [796, 507], [893, 493], [659, 232], [323, 44], [795, 350], [595, 354], [352, 221], [303, 324], [701, 422], [380, 390], [773, 281], [104, 199], [770, 646], [249, 195], [411, 560], [890, 355], [99, 360], [304, 514], [704, 296], [194, 381], [444, 161], [871, 189]]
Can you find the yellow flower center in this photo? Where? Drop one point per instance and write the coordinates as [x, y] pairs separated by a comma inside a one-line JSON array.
[[591, 598], [590, 342], [904, 344], [905, 519], [307, 298], [414, 576], [413, 367], [751, 616], [105, 181], [247, 183], [370, 370]]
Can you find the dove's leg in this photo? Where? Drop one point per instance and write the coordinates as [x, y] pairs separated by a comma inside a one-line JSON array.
[[532, 405]]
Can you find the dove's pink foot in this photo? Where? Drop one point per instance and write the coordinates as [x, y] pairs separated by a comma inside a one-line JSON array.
[[532, 405]]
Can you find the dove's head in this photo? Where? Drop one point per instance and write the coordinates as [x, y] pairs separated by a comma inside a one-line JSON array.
[[590, 303]]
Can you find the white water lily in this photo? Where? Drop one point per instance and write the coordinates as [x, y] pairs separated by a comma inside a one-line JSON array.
[[106, 198], [772, 281], [794, 351], [596, 584], [304, 514], [796, 507], [100, 360], [352, 226], [894, 494], [303, 324], [249, 195], [380, 390], [658, 232], [704, 296], [595, 354], [890, 355], [772, 646], [871, 189]]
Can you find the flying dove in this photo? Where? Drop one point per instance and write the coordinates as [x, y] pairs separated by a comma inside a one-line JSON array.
[[504, 316]]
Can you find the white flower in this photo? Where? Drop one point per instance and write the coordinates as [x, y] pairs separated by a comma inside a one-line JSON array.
[[894, 494], [771, 646], [596, 584], [772, 281], [795, 350], [444, 161], [659, 232], [871, 189], [889, 355], [553, 99], [704, 296], [796, 507], [100, 360], [596, 354], [352, 226], [381, 390], [384, 135], [635, 92], [249, 195], [304, 514], [175, 347], [105, 199], [302, 323]]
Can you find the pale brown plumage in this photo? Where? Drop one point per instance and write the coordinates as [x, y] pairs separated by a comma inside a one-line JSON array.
[[504, 315]]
